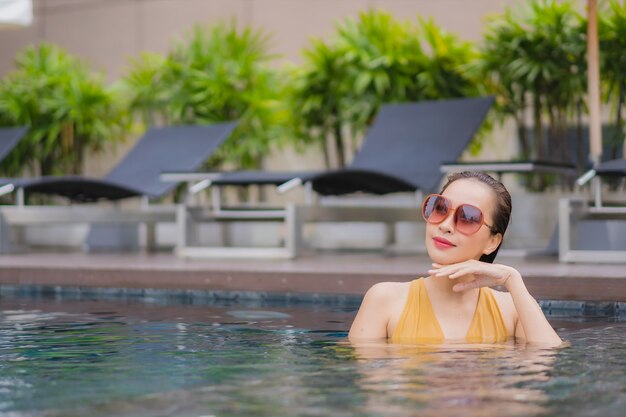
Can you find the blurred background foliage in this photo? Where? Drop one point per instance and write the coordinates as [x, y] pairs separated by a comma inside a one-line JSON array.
[[612, 34], [67, 106], [539, 60], [532, 58], [373, 59], [217, 74]]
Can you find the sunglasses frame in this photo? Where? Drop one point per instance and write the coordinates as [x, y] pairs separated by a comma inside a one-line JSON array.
[[453, 211]]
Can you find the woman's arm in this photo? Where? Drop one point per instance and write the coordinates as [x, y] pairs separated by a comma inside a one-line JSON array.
[[371, 320], [532, 323]]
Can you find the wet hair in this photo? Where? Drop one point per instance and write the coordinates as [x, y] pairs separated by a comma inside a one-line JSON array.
[[502, 210]]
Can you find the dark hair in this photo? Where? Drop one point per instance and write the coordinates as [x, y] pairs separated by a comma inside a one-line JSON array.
[[502, 211]]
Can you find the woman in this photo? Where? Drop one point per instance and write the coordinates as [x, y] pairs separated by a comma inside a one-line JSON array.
[[465, 225]]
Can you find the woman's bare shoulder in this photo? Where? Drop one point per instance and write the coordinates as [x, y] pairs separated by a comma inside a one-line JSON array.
[[387, 290]]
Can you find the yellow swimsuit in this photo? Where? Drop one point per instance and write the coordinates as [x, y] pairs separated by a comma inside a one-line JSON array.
[[418, 323]]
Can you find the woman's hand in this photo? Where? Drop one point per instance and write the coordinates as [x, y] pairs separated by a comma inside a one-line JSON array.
[[481, 274], [531, 324]]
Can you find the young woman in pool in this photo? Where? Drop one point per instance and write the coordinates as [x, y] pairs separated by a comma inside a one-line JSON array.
[[464, 229]]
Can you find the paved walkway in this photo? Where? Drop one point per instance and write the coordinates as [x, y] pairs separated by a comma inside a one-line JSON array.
[[322, 273]]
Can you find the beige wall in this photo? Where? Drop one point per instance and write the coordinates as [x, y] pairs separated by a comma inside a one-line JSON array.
[[108, 32]]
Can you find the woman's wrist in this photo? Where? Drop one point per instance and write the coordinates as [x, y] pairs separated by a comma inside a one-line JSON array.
[[513, 280]]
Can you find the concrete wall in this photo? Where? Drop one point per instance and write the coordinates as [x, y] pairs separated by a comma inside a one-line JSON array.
[[108, 32]]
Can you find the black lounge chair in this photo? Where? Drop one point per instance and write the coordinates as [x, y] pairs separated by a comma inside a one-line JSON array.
[[402, 152], [613, 168], [139, 173], [9, 137], [136, 175], [515, 167], [574, 210]]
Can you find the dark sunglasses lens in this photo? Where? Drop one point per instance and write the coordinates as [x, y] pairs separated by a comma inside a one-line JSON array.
[[435, 209], [468, 219]]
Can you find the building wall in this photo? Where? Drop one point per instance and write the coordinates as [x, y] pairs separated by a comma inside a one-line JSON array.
[[108, 32]]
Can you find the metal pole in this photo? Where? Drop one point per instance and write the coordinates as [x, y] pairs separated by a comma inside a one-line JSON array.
[[593, 78]]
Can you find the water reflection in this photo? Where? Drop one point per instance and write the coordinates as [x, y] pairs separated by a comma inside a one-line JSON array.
[[453, 379], [127, 359]]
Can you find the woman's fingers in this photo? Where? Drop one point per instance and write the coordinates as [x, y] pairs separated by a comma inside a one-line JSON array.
[[457, 272], [446, 270], [461, 271], [482, 274]]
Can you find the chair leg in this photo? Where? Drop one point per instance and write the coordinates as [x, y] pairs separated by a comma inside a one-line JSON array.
[[390, 233], [150, 231], [294, 223], [19, 237], [224, 233], [564, 229], [569, 214], [182, 226], [5, 236]]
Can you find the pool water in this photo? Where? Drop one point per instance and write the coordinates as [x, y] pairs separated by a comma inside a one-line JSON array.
[[141, 357]]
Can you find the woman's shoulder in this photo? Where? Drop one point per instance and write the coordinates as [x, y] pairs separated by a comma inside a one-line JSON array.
[[387, 293], [387, 290]]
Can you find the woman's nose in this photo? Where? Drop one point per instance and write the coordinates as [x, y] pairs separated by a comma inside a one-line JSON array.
[[447, 225]]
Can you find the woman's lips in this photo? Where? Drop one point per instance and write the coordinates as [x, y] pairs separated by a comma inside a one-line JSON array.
[[442, 243]]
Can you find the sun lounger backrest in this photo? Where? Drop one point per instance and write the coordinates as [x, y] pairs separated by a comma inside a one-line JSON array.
[[9, 137], [168, 149], [412, 140], [614, 168]]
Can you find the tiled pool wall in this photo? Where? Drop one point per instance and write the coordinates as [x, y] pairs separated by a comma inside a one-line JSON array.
[[200, 297], [178, 297]]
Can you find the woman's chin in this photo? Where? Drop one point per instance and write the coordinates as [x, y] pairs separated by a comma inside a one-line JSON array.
[[443, 257]]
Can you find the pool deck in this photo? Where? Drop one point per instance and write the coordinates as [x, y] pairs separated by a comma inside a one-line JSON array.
[[545, 277]]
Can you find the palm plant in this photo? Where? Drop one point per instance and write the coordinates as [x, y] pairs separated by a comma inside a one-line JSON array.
[[145, 89], [612, 34], [555, 67], [67, 108], [499, 47], [384, 58], [374, 59], [215, 75], [537, 61], [446, 60], [320, 99]]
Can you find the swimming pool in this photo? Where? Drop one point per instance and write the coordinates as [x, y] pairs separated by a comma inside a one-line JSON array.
[[65, 353]]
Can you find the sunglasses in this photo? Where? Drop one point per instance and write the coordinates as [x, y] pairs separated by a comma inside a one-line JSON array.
[[468, 219]]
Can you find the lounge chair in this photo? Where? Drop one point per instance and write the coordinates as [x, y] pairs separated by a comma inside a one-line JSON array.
[[515, 167], [575, 210], [9, 137], [402, 152], [136, 175]]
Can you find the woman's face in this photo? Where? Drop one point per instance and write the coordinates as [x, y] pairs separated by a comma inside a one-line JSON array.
[[445, 244]]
